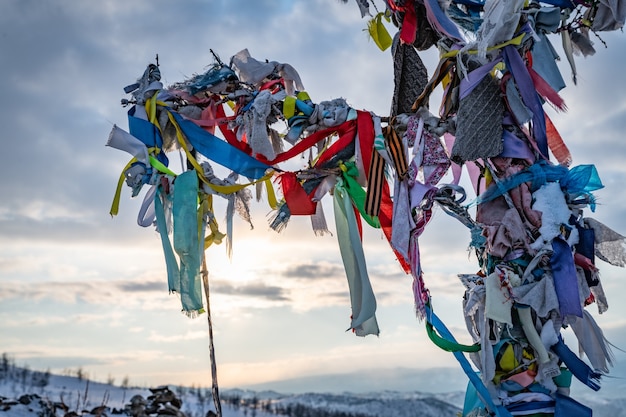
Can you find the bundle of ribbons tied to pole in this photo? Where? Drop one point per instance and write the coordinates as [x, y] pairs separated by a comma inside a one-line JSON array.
[[536, 247]]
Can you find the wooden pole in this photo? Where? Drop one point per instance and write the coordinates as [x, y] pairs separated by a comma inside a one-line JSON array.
[[214, 387]]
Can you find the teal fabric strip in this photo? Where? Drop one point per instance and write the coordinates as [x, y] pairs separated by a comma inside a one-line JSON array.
[[173, 273], [187, 242], [361, 294]]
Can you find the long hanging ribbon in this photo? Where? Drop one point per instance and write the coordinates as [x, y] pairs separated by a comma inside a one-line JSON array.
[[565, 278], [361, 294], [531, 99], [173, 272], [187, 242], [375, 184], [396, 151], [366, 142], [556, 144], [115, 205]]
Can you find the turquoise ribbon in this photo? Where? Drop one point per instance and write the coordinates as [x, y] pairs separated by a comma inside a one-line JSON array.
[[187, 242], [580, 180], [173, 273]]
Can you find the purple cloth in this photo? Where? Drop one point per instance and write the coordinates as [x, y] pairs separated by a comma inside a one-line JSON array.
[[529, 94], [515, 147], [565, 278]]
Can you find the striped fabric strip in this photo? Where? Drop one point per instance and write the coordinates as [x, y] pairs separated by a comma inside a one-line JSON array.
[[396, 151], [375, 184]]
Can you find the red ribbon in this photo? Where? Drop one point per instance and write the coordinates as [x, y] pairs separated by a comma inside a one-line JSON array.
[[297, 199], [366, 141]]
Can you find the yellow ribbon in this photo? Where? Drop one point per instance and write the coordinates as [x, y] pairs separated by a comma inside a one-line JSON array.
[[115, 205], [289, 107], [378, 31], [159, 166], [223, 189], [515, 41]]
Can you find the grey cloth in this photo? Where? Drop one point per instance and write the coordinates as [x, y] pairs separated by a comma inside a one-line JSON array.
[[592, 342], [479, 123], [610, 15], [409, 74], [609, 245], [546, 20], [540, 295], [479, 327]]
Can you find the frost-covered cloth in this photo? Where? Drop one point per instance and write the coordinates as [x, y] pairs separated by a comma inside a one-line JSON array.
[[254, 72], [610, 245]]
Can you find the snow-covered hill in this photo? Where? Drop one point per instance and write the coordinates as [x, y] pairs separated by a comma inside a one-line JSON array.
[[24, 393]]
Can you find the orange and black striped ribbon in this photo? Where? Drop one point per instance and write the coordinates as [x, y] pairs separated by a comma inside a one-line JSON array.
[[396, 151], [375, 182]]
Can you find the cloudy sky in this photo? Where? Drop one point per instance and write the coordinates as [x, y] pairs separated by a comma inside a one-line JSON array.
[[81, 289]]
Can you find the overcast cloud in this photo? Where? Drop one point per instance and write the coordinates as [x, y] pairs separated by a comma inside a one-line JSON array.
[[80, 289]]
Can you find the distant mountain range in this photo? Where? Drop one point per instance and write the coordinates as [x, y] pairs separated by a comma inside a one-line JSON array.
[[25, 393]]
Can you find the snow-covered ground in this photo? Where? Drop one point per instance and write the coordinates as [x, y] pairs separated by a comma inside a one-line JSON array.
[[24, 393]]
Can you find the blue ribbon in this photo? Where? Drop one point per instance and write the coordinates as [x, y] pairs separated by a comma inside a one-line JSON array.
[[441, 328], [220, 151], [579, 369], [581, 179], [442, 22], [147, 133], [565, 278]]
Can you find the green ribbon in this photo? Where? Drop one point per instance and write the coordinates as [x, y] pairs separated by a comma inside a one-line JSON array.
[[357, 194]]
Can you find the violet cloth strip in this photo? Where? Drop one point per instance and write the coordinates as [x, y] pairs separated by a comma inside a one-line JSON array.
[[565, 278], [531, 99]]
